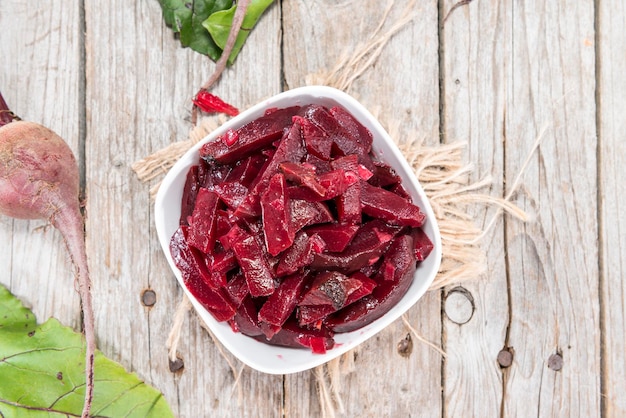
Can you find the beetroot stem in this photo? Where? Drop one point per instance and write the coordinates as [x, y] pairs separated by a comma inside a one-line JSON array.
[[69, 222], [240, 13], [6, 115]]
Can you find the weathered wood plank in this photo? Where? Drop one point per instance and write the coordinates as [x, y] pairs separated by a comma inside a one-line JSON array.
[[139, 85], [40, 80], [611, 87], [316, 34], [553, 266], [475, 43]]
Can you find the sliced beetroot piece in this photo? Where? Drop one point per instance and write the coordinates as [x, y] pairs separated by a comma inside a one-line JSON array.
[[190, 191], [194, 273], [300, 254], [344, 142], [290, 149], [252, 137], [337, 182], [423, 244], [384, 176], [383, 204], [281, 304], [355, 129], [369, 243], [246, 318], [189, 260], [203, 221], [237, 288], [384, 296], [349, 205], [316, 141], [328, 288], [276, 215], [222, 261], [236, 233], [305, 213], [292, 335], [351, 163], [254, 265], [232, 193], [247, 170], [321, 166], [303, 175], [399, 259], [223, 222], [365, 287], [400, 191], [336, 236], [210, 173], [312, 315]]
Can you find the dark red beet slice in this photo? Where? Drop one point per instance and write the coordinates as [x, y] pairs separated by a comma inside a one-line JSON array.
[[255, 267], [365, 287], [386, 294], [349, 205], [232, 193], [189, 260], [329, 288], [303, 176], [356, 131], [246, 318], [305, 213], [203, 221], [281, 303], [423, 244], [190, 191], [246, 171], [337, 182], [312, 315], [216, 301], [292, 335], [300, 254], [336, 236], [276, 217], [316, 141], [384, 176], [386, 205], [237, 289], [252, 137], [369, 243]]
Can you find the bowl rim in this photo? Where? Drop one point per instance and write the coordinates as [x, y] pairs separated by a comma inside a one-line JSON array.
[[180, 168]]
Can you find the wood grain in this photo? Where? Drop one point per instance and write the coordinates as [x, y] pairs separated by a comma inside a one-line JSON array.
[[475, 41], [552, 262], [611, 91]]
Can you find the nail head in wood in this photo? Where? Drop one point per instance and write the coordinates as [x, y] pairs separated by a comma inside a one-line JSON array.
[[405, 346], [148, 298], [505, 358], [176, 365], [555, 362]]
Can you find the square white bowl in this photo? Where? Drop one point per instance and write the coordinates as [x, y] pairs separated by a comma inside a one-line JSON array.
[[282, 360]]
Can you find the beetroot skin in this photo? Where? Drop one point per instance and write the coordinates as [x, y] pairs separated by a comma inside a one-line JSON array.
[[293, 231]]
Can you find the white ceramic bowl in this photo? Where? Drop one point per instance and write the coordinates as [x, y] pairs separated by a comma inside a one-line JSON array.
[[282, 360]]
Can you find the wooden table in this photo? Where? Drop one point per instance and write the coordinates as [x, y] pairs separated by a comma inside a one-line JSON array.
[[112, 80]]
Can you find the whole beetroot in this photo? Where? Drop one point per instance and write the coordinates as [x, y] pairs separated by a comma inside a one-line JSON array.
[[39, 179]]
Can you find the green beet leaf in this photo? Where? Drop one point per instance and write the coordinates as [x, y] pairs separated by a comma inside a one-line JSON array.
[[42, 372], [219, 23], [185, 17]]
